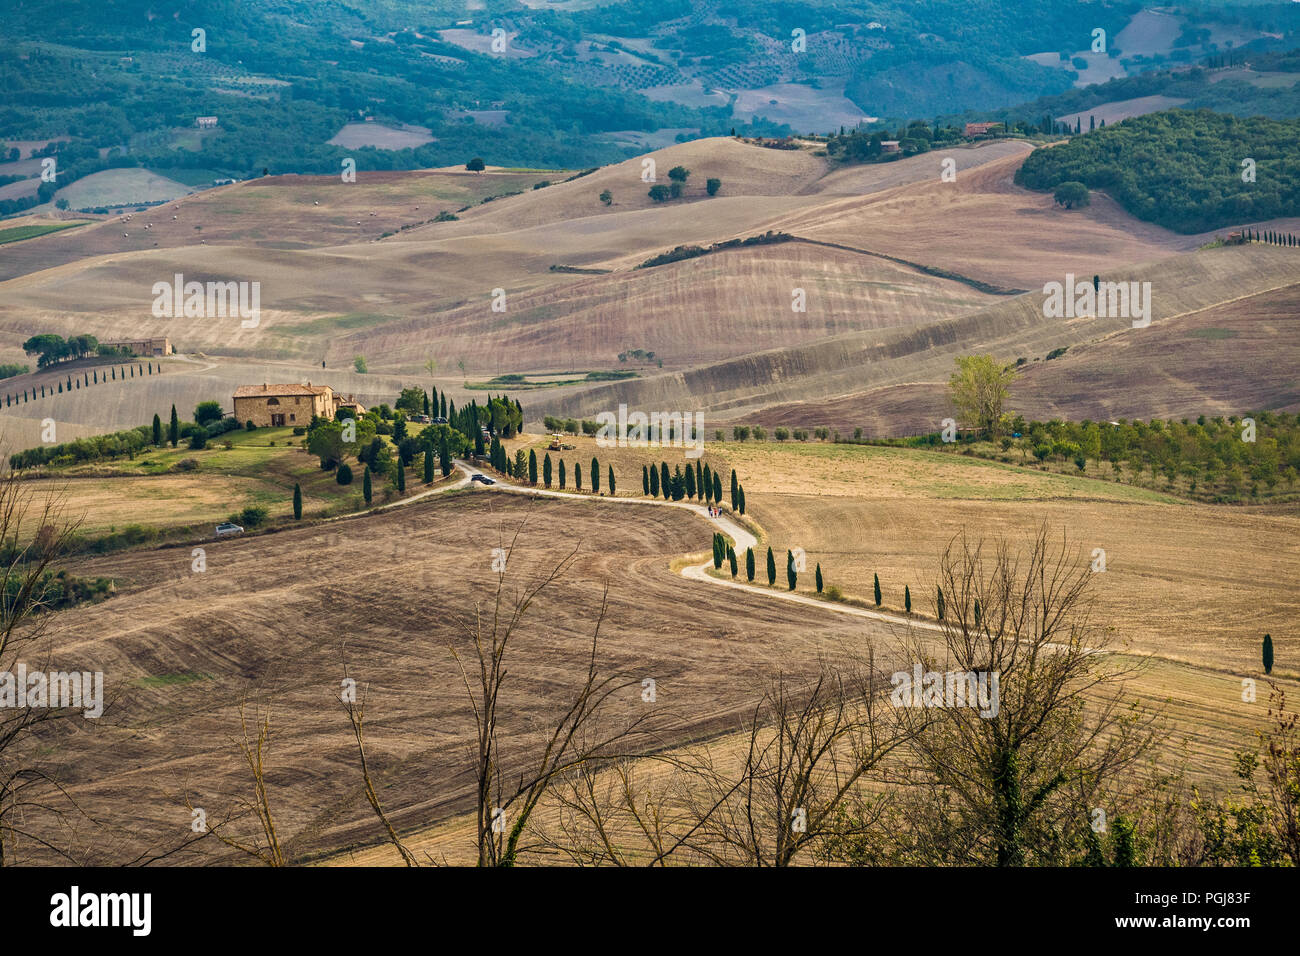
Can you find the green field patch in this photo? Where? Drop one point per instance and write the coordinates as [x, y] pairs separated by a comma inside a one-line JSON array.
[[19, 233], [521, 381], [1213, 334]]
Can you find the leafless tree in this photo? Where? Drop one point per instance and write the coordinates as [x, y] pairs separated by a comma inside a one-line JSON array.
[[1006, 787], [31, 536], [505, 803], [264, 845]]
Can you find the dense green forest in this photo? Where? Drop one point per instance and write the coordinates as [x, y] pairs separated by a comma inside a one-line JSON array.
[[1182, 169]]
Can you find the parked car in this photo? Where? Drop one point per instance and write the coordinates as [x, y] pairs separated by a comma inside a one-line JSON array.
[[482, 479], [228, 528], [439, 420], [422, 419]]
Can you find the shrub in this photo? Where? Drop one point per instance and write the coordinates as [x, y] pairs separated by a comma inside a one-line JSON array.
[[251, 517], [198, 438], [187, 464], [344, 475]]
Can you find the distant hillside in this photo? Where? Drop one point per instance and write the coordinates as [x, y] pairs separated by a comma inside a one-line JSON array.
[[1182, 170]]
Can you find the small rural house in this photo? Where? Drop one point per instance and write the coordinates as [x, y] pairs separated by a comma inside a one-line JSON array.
[[276, 406]]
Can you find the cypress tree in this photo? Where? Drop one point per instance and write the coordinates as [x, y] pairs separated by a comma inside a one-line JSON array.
[[401, 477], [577, 476], [819, 578], [654, 482], [561, 474], [699, 480], [938, 603], [749, 564], [907, 599], [690, 481], [1268, 654], [708, 484], [731, 559], [546, 471], [428, 464], [532, 467], [611, 481], [719, 550], [977, 612], [174, 429], [717, 488], [791, 575], [157, 430], [365, 486], [734, 487], [665, 483], [442, 413], [771, 568], [645, 480], [426, 402], [876, 586], [297, 501], [595, 476], [741, 494]]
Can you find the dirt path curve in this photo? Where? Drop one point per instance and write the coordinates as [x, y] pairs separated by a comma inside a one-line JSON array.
[[740, 536]]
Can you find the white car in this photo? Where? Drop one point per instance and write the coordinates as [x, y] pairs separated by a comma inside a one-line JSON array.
[[228, 528]]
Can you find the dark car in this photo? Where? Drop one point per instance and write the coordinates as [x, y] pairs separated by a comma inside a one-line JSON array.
[[482, 479]]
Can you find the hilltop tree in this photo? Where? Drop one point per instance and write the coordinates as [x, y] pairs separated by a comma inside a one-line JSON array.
[[907, 598], [1268, 654], [876, 587], [749, 565], [819, 578], [979, 389], [771, 568], [174, 429], [611, 481], [791, 574], [476, 165], [297, 501], [1072, 194]]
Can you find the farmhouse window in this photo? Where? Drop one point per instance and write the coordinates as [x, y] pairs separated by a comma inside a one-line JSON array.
[[273, 401]]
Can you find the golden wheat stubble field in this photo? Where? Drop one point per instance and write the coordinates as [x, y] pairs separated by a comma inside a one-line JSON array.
[[1190, 588], [273, 619]]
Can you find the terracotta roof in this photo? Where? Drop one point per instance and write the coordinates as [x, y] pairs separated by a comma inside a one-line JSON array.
[[266, 391]]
